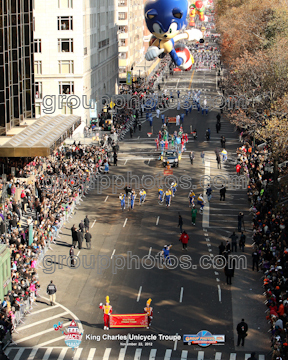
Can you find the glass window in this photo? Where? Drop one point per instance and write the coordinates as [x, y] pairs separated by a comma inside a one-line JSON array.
[[37, 46], [65, 4], [38, 67], [38, 109], [38, 90], [66, 87], [65, 45], [65, 22], [66, 66]]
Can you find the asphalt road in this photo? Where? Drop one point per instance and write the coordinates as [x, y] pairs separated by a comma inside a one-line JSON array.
[[185, 301]]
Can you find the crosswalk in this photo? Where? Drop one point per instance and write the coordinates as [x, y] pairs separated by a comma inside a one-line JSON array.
[[65, 353]]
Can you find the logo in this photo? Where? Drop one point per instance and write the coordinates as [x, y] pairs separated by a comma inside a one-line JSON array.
[[73, 335], [204, 339]]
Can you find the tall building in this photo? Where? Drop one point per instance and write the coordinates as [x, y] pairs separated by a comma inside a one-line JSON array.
[[130, 35], [16, 63], [76, 53]]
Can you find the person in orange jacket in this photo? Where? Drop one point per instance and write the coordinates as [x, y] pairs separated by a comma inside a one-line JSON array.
[[107, 310], [281, 309]]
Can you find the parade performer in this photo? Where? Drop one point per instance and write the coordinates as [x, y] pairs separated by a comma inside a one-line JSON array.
[[160, 194], [122, 201], [191, 197], [132, 199], [144, 195], [174, 188], [168, 197], [165, 19], [107, 310], [149, 311], [201, 202]]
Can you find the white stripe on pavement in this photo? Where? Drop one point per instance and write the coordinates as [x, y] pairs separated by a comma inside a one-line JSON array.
[[152, 355], [232, 356], [113, 253], [137, 354], [46, 309], [125, 222], [41, 321], [175, 343], [261, 357], [184, 355], [168, 353], [93, 223], [122, 354], [77, 354], [219, 293], [139, 293], [51, 341], [91, 354], [181, 294], [200, 355], [218, 356], [125, 162], [19, 353], [47, 353], [62, 353], [32, 354], [106, 198], [39, 333], [157, 221], [106, 354], [150, 251]]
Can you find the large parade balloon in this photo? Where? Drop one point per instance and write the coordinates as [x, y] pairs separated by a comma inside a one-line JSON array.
[[196, 8], [165, 19]]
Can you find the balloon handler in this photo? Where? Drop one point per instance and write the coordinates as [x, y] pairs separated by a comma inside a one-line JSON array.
[[149, 311], [107, 310], [165, 19]]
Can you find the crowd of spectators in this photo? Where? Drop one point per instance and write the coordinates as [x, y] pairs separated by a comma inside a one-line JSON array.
[[45, 192]]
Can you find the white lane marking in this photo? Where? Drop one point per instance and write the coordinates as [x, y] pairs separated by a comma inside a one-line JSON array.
[[19, 353], [47, 353], [91, 354], [32, 354], [233, 356], [168, 353], [206, 211], [200, 355], [41, 321], [113, 253], [124, 165], [210, 250], [137, 354], [152, 354], [51, 341], [150, 251], [261, 357], [125, 222], [62, 354], [77, 354], [138, 137], [93, 223], [78, 252], [247, 356], [218, 356], [219, 293], [139, 293], [123, 351], [106, 354], [181, 295], [39, 311], [216, 273], [149, 161], [157, 221], [39, 333], [106, 198], [175, 343], [184, 355]]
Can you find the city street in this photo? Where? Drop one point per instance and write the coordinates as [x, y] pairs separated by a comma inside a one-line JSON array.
[[185, 301]]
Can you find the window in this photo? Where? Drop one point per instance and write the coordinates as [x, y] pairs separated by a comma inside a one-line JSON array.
[[65, 45], [37, 46], [65, 4], [66, 87], [37, 109], [122, 3], [66, 110], [123, 55], [85, 51], [65, 22], [122, 16], [38, 90], [66, 66], [122, 29], [38, 67], [122, 42], [103, 43]]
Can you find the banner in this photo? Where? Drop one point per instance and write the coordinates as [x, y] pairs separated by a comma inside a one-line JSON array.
[[128, 320], [172, 120], [129, 78], [204, 339], [168, 172]]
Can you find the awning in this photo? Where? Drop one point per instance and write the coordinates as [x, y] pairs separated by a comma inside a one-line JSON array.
[[40, 138]]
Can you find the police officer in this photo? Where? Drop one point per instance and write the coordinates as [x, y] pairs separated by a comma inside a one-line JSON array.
[[51, 291], [242, 329]]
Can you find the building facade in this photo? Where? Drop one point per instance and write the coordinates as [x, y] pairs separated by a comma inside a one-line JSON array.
[[76, 54], [16, 63], [130, 35]]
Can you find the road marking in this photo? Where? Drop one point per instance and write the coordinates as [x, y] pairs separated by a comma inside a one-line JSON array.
[[175, 343], [78, 252], [125, 162], [19, 353], [138, 137], [206, 234], [210, 250], [139, 293], [181, 295], [106, 354], [122, 353], [51, 341], [125, 222], [105, 200], [150, 251], [157, 221], [184, 355], [32, 354], [261, 357], [40, 333], [216, 273], [191, 79], [219, 292], [47, 353], [39, 311], [149, 161], [218, 356], [200, 355], [208, 244], [152, 354], [168, 353], [77, 354], [233, 356], [91, 354], [93, 223], [137, 354], [247, 356], [205, 219], [41, 321], [113, 253]]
